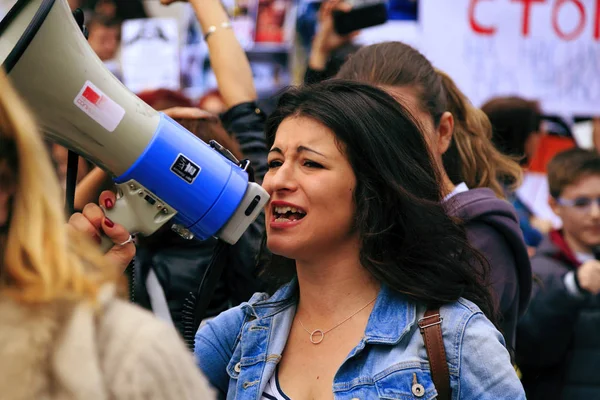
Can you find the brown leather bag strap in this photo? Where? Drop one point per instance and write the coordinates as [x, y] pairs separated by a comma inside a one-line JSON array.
[[431, 329]]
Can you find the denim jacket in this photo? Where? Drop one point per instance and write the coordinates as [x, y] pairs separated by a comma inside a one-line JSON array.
[[239, 350]]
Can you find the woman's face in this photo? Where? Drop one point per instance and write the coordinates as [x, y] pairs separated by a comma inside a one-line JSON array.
[[311, 184]]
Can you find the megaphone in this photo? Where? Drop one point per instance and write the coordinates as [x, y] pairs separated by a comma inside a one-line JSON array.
[[163, 172]]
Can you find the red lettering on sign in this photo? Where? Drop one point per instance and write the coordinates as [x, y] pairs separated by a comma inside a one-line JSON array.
[[477, 28], [597, 21], [526, 11], [577, 31]]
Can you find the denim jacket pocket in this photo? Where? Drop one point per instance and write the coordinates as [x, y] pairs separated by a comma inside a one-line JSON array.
[[405, 384]]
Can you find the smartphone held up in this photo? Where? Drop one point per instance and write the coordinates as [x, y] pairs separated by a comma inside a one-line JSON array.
[[364, 14]]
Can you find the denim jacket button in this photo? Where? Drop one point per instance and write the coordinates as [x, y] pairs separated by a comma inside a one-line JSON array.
[[237, 368], [418, 390]]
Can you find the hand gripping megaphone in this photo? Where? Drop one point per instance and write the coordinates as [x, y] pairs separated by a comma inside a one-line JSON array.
[[162, 171]]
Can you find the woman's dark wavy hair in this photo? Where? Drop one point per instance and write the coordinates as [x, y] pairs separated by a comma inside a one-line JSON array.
[[408, 242]]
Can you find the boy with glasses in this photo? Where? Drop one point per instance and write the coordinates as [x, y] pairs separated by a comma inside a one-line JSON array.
[[558, 342]]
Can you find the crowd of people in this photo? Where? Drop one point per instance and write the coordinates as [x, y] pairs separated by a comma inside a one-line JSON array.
[[394, 259]]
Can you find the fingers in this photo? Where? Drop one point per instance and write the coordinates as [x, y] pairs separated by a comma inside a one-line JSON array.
[[352, 35], [93, 214], [342, 6], [116, 232], [119, 255], [327, 8], [107, 199], [92, 222], [83, 225]]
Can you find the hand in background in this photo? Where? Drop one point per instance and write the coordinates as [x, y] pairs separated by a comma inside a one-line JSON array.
[[542, 225], [327, 39], [588, 275]]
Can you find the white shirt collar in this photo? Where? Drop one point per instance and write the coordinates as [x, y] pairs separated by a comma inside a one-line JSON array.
[[461, 187]]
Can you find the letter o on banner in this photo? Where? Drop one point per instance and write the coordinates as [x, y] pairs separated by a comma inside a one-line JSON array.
[[580, 26]]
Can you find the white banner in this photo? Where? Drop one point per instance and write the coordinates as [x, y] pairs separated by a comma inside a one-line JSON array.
[[547, 50]]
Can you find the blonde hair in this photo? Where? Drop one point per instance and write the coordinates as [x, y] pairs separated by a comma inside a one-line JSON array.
[[43, 258], [472, 157]]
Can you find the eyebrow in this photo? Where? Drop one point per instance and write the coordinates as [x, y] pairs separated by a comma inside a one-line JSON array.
[[299, 149]]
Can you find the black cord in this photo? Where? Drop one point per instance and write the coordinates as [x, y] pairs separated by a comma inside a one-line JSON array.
[[72, 165], [196, 304]]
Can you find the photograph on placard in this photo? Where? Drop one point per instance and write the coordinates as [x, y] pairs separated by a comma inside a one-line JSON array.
[[273, 21], [150, 54]]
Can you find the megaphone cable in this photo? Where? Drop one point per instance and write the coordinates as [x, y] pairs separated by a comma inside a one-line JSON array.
[[196, 304], [72, 167]]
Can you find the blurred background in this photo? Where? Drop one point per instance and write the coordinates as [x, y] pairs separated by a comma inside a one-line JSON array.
[[547, 52]]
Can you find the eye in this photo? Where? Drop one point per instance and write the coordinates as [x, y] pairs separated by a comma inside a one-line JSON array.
[[312, 164], [582, 202], [274, 164]]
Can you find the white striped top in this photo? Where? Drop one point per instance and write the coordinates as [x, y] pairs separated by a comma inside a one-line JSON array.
[[273, 390]]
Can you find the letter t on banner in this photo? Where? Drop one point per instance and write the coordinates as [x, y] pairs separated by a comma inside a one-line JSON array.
[[526, 8]]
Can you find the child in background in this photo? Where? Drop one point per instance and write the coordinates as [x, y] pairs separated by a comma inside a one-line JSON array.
[[558, 346]]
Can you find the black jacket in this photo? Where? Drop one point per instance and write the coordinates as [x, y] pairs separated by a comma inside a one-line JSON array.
[[180, 264], [558, 338]]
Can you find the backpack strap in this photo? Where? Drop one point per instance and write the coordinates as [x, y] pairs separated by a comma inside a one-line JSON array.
[[431, 329]]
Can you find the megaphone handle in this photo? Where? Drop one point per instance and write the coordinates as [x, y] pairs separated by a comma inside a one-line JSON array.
[[119, 214], [137, 210]]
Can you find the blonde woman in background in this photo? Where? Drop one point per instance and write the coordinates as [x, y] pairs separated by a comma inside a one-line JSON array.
[[491, 224], [63, 332], [471, 156]]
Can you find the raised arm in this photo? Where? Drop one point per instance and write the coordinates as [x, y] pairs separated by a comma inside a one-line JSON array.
[[227, 57], [325, 41]]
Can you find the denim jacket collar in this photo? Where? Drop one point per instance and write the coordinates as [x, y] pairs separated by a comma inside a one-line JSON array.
[[389, 306]]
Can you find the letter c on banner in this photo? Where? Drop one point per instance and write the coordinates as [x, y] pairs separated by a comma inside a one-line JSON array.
[[577, 31], [477, 28]]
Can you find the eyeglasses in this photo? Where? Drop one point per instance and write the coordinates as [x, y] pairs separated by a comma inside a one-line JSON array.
[[580, 203]]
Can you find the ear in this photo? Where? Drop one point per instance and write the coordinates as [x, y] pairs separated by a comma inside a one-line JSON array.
[[445, 131], [554, 205]]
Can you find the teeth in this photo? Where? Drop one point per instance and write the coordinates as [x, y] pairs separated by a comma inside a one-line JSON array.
[[285, 209]]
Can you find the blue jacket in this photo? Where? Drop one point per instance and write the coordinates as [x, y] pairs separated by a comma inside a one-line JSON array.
[[239, 349]]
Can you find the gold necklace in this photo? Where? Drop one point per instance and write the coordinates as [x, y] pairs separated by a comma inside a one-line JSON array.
[[321, 333]]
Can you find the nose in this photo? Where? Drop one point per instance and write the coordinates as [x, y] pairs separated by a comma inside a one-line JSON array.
[[595, 209], [283, 179]]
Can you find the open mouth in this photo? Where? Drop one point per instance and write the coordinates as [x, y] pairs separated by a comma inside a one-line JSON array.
[[286, 213]]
